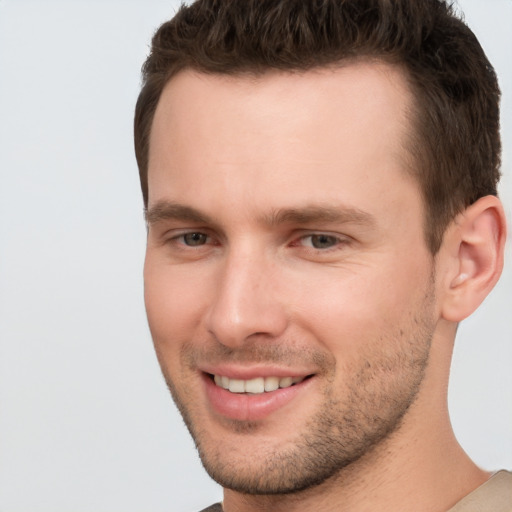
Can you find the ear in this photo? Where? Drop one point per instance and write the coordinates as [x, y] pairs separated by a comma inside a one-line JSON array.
[[472, 251]]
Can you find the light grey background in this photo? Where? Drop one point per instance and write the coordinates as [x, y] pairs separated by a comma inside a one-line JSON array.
[[86, 423]]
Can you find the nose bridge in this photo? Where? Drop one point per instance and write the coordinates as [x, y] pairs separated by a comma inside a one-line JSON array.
[[245, 301]]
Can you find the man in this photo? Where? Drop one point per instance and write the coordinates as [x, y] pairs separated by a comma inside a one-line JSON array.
[[320, 188]]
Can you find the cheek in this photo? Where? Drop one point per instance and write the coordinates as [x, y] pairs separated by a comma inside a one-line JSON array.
[[345, 312], [174, 301]]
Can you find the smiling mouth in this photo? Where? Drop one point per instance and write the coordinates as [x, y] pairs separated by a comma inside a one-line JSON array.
[[257, 385]]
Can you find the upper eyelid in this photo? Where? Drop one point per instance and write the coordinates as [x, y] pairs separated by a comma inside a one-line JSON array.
[[183, 233], [340, 241], [300, 234], [177, 232], [340, 236]]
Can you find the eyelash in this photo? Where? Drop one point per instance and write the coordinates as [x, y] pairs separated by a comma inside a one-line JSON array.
[[180, 239], [336, 241]]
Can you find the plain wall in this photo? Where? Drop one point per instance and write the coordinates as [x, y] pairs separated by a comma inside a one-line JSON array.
[[86, 423]]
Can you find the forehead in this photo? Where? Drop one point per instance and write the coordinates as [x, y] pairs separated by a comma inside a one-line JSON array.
[[299, 132]]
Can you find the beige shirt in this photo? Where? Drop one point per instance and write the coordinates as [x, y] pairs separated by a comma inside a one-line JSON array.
[[493, 496]]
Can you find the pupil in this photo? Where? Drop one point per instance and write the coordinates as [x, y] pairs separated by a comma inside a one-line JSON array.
[[195, 238], [322, 241]]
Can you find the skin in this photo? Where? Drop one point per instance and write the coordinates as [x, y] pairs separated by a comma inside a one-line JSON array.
[[285, 234]]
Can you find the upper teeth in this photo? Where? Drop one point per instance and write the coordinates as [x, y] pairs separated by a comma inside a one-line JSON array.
[[257, 385]]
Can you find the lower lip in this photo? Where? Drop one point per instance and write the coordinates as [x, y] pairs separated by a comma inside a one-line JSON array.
[[247, 407]]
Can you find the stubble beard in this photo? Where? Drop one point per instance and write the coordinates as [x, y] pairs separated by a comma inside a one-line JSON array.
[[384, 385]]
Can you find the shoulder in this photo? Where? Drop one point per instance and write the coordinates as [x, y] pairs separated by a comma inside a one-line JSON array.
[[495, 495], [213, 508]]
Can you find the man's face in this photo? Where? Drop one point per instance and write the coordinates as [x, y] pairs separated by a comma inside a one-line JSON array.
[[286, 262]]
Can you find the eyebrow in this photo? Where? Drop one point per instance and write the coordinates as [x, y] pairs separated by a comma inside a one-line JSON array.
[[167, 210], [313, 214]]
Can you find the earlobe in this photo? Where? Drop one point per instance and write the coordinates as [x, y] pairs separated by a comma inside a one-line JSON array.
[[477, 247]]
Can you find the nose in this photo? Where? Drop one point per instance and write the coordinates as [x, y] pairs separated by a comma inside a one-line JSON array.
[[246, 301]]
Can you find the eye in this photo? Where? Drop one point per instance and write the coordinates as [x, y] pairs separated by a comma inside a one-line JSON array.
[[321, 241], [194, 239]]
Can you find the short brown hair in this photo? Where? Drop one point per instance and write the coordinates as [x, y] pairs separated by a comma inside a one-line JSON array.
[[455, 142]]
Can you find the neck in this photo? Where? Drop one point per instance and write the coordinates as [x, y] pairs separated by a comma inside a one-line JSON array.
[[432, 479], [419, 467]]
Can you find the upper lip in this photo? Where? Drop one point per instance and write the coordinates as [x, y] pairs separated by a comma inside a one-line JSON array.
[[251, 372]]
